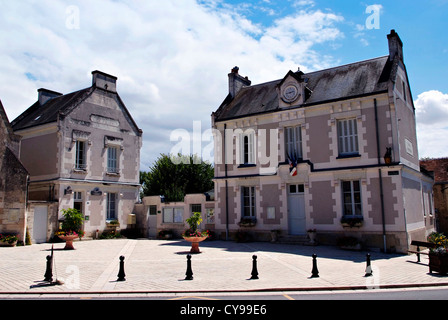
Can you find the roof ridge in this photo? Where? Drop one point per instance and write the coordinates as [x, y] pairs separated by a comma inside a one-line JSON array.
[[347, 64]]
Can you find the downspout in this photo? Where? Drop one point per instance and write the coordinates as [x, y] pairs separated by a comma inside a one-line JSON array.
[[380, 175], [226, 181]]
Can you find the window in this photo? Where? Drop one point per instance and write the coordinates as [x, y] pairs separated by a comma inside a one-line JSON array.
[[196, 208], [248, 199], [80, 157], [293, 142], [111, 206], [112, 162], [351, 194], [173, 215], [404, 91], [348, 137], [77, 201], [247, 148], [296, 188], [152, 210]]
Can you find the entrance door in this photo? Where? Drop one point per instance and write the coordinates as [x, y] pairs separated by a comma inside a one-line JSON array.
[[296, 209], [152, 221], [40, 224]]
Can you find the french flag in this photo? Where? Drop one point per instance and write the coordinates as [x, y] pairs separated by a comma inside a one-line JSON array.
[[292, 166]]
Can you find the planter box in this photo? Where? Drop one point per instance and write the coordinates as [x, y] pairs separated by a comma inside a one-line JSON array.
[[438, 263]]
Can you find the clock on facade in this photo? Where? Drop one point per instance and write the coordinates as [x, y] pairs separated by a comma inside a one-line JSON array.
[[290, 93]]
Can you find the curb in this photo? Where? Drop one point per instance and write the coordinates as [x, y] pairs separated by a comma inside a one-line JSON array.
[[301, 289]]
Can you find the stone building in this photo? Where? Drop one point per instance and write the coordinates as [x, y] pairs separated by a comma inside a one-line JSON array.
[[13, 181], [156, 214], [82, 150], [438, 208], [333, 150]]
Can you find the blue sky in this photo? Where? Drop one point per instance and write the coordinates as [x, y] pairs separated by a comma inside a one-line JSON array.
[[172, 57]]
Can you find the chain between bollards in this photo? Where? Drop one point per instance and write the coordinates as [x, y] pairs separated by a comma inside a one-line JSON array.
[[254, 268], [121, 275]]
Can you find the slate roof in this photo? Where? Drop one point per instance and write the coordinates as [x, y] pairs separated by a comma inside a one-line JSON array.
[[38, 115], [59, 106], [339, 83]]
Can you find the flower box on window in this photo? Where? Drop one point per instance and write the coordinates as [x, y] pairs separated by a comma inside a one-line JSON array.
[[247, 222], [352, 221]]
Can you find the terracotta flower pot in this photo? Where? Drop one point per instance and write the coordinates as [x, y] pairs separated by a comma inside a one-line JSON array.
[[7, 244], [68, 241], [195, 243]]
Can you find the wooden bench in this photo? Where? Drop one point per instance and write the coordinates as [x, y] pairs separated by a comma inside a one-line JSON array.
[[421, 244]]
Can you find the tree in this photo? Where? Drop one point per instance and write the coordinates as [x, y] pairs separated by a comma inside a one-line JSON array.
[[176, 176]]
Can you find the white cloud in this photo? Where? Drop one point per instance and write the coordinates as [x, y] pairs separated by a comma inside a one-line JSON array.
[[431, 109], [171, 58]]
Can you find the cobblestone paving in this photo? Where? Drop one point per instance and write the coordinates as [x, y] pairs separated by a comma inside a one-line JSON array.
[[160, 266]]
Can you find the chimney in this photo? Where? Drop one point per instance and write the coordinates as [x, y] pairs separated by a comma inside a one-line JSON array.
[[104, 81], [395, 45], [44, 95], [237, 82]]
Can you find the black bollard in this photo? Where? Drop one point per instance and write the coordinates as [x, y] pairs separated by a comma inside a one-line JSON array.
[[368, 268], [314, 272], [254, 268], [121, 275], [49, 271], [189, 273]]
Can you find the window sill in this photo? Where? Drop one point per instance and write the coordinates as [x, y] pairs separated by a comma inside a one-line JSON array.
[[82, 171], [115, 174], [348, 156], [247, 165]]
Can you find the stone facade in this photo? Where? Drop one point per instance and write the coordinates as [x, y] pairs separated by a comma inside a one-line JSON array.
[[155, 215], [82, 150], [13, 182], [439, 169], [308, 152]]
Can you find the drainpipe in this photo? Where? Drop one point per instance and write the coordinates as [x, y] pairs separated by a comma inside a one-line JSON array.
[[225, 174], [380, 175]]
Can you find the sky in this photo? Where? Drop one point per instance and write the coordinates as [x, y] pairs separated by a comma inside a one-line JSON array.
[[172, 57]]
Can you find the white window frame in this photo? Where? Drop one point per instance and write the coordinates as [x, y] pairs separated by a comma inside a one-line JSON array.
[[80, 155], [248, 202], [247, 147], [173, 215], [353, 204], [293, 142], [347, 132]]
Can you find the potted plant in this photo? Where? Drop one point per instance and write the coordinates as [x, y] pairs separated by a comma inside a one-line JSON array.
[[8, 240], [438, 256], [192, 234], [274, 235], [312, 235], [165, 234], [113, 225], [352, 221], [71, 227]]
